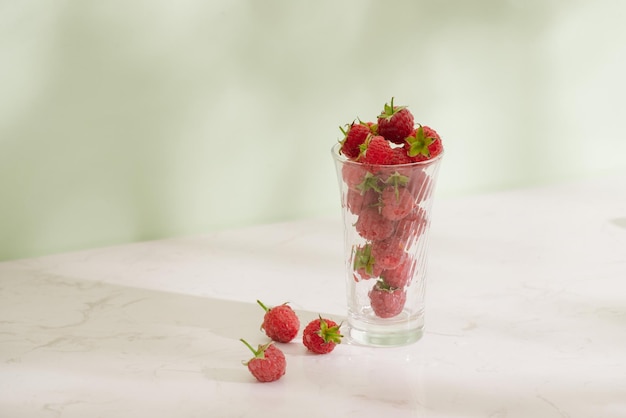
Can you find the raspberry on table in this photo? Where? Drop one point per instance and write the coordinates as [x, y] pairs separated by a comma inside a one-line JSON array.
[[280, 323], [268, 364], [321, 336]]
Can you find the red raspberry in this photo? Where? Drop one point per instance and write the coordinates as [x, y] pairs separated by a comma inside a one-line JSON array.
[[268, 363], [364, 264], [280, 322], [401, 275], [370, 182], [371, 225], [397, 202], [321, 336], [435, 148], [357, 201], [353, 174], [411, 226], [354, 137], [399, 156], [364, 194], [388, 253], [386, 302], [423, 144], [420, 185], [377, 151], [362, 274], [395, 123]]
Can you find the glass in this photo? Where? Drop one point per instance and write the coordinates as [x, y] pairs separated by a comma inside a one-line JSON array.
[[386, 213]]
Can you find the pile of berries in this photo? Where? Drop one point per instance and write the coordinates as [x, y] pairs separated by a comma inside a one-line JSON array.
[[395, 138], [281, 324], [386, 193]]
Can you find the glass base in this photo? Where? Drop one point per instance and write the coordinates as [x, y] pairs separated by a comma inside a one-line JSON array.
[[384, 333]]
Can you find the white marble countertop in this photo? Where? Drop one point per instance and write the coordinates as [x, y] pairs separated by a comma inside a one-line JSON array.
[[526, 317]]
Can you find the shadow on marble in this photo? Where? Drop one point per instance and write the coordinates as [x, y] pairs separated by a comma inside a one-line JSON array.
[[82, 326]]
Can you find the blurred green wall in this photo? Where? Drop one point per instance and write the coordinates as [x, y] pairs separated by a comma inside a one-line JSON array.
[[132, 120]]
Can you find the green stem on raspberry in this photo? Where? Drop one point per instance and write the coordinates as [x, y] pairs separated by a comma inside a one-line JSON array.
[[329, 334], [260, 352], [363, 259], [370, 181], [265, 308], [397, 180], [248, 345]]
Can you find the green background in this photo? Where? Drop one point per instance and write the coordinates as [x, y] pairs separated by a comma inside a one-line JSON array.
[[132, 120]]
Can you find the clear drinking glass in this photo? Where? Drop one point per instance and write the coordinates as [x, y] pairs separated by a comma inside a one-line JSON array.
[[386, 213]]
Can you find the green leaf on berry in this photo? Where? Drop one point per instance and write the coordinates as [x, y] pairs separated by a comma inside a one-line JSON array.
[[419, 142], [384, 286], [372, 126], [397, 180], [329, 334], [363, 259], [370, 182], [390, 110]]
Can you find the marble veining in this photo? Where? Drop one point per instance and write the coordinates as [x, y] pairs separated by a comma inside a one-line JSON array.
[[525, 318]]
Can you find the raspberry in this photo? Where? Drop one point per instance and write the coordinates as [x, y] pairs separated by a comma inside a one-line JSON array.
[[364, 264], [353, 174], [399, 276], [321, 336], [362, 274], [377, 151], [354, 136], [371, 225], [386, 302], [357, 201], [364, 194], [396, 202], [423, 144], [395, 123], [388, 253], [399, 156], [435, 148], [280, 323], [411, 226], [268, 364], [370, 182], [420, 185]]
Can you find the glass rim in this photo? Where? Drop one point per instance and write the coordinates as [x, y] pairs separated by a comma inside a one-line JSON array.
[[344, 160]]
